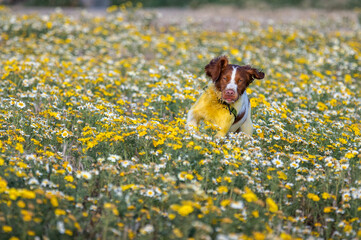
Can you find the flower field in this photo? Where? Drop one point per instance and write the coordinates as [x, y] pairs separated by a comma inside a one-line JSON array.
[[93, 142]]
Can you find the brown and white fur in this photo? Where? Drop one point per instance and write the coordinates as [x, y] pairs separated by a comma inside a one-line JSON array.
[[225, 102]]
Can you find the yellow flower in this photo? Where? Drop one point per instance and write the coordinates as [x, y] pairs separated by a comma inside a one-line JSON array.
[[249, 196], [255, 214], [321, 106], [19, 147], [328, 209], [189, 176], [325, 195], [254, 102], [356, 128], [282, 175], [131, 234], [21, 204], [7, 228], [227, 179], [225, 202], [234, 51], [349, 155], [222, 189], [108, 205], [54, 202], [177, 233], [27, 215], [59, 212], [185, 210], [49, 24], [285, 236], [348, 78], [3, 185], [69, 178], [313, 197], [68, 232], [27, 194], [272, 206], [304, 77], [347, 228], [259, 236], [141, 134]]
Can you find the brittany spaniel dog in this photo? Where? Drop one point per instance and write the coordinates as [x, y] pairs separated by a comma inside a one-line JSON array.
[[225, 102]]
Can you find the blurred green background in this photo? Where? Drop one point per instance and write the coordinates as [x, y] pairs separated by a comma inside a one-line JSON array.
[[328, 4]]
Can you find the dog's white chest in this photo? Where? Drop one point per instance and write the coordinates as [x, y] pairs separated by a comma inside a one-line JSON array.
[[243, 110]]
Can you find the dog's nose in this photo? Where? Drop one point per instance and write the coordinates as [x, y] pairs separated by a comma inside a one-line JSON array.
[[230, 92]]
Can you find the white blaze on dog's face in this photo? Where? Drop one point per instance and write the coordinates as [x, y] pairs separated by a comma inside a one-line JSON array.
[[231, 80]]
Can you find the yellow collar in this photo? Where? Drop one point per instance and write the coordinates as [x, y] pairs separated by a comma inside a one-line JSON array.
[[211, 89]]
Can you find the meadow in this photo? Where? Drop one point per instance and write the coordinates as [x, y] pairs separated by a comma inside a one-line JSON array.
[[93, 142]]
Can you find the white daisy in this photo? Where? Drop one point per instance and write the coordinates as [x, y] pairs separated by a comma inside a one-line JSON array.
[[277, 162], [86, 175], [33, 181], [237, 205], [60, 227], [310, 179], [276, 137], [126, 163], [148, 228], [20, 104], [344, 166], [65, 134], [294, 165], [149, 193], [113, 158]]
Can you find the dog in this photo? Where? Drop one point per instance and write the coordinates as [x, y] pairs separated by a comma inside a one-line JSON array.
[[224, 102]]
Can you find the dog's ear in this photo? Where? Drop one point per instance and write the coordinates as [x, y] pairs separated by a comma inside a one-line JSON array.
[[254, 73], [215, 67]]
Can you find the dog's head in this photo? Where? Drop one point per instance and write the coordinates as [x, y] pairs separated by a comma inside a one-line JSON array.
[[231, 80]]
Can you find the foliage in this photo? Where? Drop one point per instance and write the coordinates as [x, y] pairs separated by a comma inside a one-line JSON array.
[[93, 141]]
